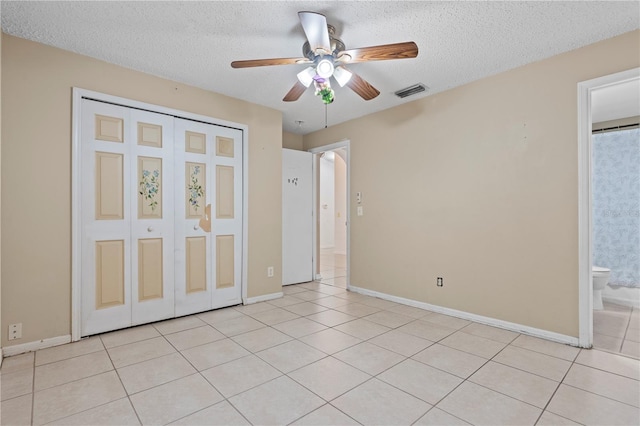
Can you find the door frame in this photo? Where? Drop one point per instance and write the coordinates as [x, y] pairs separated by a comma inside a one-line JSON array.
[[346, 145], [76, 230], [585, 243]]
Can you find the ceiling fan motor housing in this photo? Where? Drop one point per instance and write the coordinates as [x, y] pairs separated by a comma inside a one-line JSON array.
[[337, 45]]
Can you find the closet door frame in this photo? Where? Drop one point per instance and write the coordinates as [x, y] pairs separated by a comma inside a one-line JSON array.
[[76, 175]]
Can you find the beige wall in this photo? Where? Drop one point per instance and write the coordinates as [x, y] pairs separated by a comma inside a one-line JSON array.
[[478, 185], [292, 141], [36, 161]]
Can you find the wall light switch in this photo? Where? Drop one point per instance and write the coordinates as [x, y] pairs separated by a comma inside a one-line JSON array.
[[360, 211]]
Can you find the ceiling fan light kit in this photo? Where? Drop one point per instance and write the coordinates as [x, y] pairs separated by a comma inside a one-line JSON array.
[[328, 54]]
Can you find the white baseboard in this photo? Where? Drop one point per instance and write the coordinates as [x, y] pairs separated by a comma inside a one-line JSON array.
[[34, 346], [263, 298], [1, 357], [518, 328]]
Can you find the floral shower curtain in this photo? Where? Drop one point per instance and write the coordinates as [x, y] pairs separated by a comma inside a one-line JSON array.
[[616, 205]]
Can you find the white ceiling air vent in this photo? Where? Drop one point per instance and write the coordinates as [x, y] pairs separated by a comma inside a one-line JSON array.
[[411, 90]]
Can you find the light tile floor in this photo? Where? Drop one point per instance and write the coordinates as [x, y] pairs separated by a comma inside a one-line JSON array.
[[320, 355], [616, 328]]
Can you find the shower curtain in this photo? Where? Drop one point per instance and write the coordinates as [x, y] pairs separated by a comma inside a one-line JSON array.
[[616, 205]]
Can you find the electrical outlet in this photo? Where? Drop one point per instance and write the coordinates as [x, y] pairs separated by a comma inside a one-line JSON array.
[[439, 282], [15, 331], [270, 272]]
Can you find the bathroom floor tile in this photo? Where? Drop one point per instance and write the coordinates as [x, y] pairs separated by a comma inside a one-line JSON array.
[[427, 330], [329, 378], [284, 301], [71, 398], [240, 375], [631, 348], [377, 403], [16, 411], [274, 316], [389, 319], [277, 402], [68, 370], [331, 318], [219, 315], [437, 417], [70, 350], [18, 362], [589, 408], [238, 325], [299, 327], [330, 341], [409, 311], [128, 335], [473, 344], [309, 295], [609, 385], [607, 343], [518, 384], [220, 414], [357, 309], [174, 400], [549, 419], [261, 339], [402, 343], [362, 329], [117, 413], [290, 356], [612, 363], [325, 415], [420, 380], [178, 324], [305, 308], [479, 405], [16, 384], [491, 333], [194, 337], [534, 362], [332, 302], [254, 308], [133, 353], [369, 358], [154, 372], [547, 347], [215, 353], [446, 320], [461, 364]]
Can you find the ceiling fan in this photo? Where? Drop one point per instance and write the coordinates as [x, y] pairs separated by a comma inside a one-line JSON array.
[[327, 56]]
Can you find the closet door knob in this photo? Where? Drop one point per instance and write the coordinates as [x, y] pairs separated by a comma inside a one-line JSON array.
[[150, 229], [195, 227]]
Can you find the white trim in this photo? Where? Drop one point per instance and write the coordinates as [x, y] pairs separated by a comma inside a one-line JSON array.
[[37, 345], [346, 144], [76, 232], [1, 357], [585, 288], [506, 325], [263, 298]]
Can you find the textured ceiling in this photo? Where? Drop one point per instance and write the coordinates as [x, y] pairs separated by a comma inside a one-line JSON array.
[[194, 42]]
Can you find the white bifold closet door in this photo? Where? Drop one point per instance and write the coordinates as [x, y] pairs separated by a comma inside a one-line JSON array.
[[150, 249]]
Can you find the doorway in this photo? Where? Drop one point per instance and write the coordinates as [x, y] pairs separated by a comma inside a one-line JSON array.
[[331, 208], [586, 91]]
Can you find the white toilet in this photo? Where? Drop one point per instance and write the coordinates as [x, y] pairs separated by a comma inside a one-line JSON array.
[[600, 281]]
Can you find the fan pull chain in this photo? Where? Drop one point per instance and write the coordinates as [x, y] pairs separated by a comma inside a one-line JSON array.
[[325, 115]]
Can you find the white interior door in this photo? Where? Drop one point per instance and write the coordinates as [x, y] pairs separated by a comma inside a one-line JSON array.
[[127, 217], [297, 216], [208, 193]]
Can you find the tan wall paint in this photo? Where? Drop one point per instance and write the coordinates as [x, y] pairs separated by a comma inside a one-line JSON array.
[[1, 327], [478, 185], [36, 215], [292, 141]]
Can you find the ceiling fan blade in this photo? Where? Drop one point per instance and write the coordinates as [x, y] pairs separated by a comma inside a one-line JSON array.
[[405, 50], [266, 62], [362, 87], [315, 28], [296, 91]]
